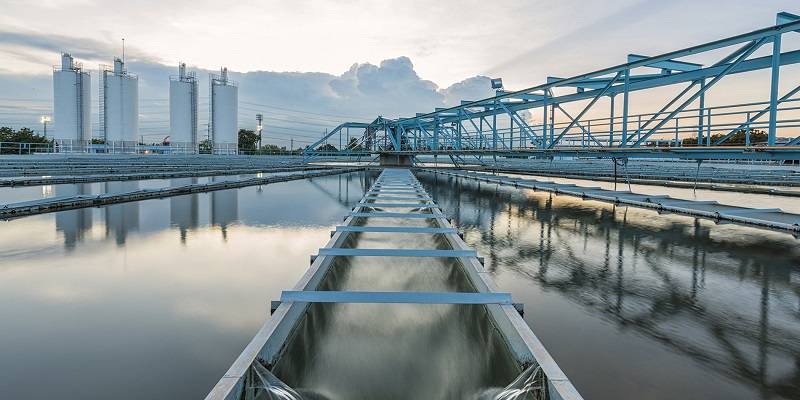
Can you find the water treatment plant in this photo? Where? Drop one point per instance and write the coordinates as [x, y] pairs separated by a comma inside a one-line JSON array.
[[630, 232]]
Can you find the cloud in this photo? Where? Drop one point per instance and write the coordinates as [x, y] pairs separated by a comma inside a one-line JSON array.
[[475, 88], [295, 104], [84, 48]]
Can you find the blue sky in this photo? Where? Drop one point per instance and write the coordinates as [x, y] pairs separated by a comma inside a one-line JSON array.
[[326, 61]]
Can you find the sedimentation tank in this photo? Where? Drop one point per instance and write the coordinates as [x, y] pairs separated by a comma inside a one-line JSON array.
[[119, 102], [224, 113], [71, 105], [183, 111]]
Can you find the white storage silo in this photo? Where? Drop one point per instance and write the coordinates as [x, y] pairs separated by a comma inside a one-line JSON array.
[[183, 111], [71, 105], [119, 108], [224, 113]]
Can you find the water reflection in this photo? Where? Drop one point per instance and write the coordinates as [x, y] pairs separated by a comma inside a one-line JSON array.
[[73, 224], [682, 307], [121, 219], [145, 300], [184, 210], [224, 207]]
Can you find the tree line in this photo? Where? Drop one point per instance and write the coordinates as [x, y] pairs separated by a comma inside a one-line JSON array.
[[248, 142], [737, 139]]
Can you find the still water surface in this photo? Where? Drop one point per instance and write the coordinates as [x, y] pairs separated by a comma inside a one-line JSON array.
[[155, 299], [637, 305]]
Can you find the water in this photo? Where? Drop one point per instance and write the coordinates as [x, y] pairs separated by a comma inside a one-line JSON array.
[[633, 304], [786, 203], [153, 299], [13, 194], [396, 351]]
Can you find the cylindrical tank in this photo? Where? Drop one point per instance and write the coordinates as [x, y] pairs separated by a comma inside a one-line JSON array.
[[224, 114], [120, 113], [71, 104], [183, 110]]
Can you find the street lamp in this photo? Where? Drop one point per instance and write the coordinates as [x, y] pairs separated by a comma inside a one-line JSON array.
[[259, 127], [44, 120], [497, 83]]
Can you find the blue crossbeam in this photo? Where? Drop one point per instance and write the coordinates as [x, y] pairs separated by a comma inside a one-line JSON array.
[[394, 229], [344, 252], [398, 205], [396, 215], [393, 198], [397, 187], [394, 192], [785, 18], [673, 65], [395, 297], [523, 96]]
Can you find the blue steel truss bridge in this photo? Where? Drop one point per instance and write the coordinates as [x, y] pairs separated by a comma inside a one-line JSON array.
[[590, 115]]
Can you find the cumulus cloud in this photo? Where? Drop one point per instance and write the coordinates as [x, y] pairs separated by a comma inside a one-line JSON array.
[[301, 104], [475, 88]]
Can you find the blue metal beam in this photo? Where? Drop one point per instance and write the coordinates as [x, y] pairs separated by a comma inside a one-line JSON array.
[[394, 229], [395, 215], [743, 38], [672, 65], [308, 296], [588, 106], [754, 117], [755, 45], [345, 252]]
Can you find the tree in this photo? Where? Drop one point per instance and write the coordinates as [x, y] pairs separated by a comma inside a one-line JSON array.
[[204, 147], [23, 135], [272, 148], [737, 139], [354, 145], [247, 139], [327, 147]]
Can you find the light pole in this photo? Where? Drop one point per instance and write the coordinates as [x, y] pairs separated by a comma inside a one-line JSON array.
[[259, 128], [44, 120]]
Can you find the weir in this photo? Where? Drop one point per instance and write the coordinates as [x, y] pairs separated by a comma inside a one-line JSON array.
[[395, 308], [61, 203], [772, 218], [55, 180]]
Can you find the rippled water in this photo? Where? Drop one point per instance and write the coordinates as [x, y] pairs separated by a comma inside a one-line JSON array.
[[637, 305]]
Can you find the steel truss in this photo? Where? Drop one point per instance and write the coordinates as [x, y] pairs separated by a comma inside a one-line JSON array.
[[498, 125]]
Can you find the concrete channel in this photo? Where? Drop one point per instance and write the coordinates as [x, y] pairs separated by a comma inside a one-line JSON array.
[[276, 362]]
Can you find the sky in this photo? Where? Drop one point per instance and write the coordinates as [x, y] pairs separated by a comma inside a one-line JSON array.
[[329, 61]]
